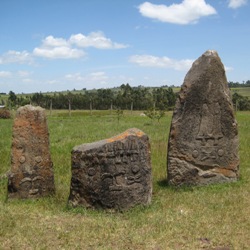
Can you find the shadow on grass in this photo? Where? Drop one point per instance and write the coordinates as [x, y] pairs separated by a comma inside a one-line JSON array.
[[163, 184], [138, 209]]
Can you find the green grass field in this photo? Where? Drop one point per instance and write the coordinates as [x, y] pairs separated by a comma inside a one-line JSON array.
[[212, 217], [242, 91]]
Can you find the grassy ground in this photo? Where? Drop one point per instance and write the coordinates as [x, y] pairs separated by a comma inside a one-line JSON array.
[[242, 91], [213, 217]]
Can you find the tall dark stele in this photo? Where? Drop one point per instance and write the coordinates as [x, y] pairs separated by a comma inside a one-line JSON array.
[[203, 140]]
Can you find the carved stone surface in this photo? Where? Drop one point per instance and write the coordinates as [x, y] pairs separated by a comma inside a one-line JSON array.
[[203, 140], [112, 174], [31, 173]]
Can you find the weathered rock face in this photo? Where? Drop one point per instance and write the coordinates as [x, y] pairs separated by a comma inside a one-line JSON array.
[[112, 174], [203, 140], [31, 174]]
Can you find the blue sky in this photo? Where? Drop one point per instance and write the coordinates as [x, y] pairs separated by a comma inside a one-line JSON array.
[[54, 45]]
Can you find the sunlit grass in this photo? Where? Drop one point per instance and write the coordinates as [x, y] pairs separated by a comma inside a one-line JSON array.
[[189, 218], [244, 91]]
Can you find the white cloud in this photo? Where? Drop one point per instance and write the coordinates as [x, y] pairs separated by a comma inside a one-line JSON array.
[[52, 82], [96, 40], [75, 77], [228, 68], [234, 4], [50, 41], [25, 76], [94, 78], [58, 52], [57, 48], [23, 73], [13, 56], [27, 80], [161, 62], [60, 48], [186, 12], [98, 76], [5, 74]]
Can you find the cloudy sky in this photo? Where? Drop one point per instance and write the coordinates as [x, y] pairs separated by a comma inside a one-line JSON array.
[[54, 45]]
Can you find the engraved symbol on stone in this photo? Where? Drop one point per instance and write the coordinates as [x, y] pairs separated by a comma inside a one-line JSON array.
[[217, 134], [125, 159], [195, 153], [118, 160], [38, 159], [210, 125], [209, 131], [22, 159], [135, 169], [91, 171], [136, 178], [220, 152], [32, 185], [208, 153], [118, 180], [205, 130]]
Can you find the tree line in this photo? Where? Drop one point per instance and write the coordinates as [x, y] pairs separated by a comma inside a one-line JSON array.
[[125, 98], [239, 85]]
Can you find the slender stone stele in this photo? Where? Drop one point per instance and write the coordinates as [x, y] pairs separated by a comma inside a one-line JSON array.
[[113, 173], [31, 174], [203, 140]]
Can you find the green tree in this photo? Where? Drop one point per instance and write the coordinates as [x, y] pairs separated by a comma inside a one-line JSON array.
[[119, 115], [240, 102], [12, 99], [12, 96], [38, 99], [154, 114], [164, 98], [104, 98]]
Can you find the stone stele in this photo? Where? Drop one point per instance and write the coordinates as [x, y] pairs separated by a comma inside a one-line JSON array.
[[31, 174], [203, 140], [113, 173]]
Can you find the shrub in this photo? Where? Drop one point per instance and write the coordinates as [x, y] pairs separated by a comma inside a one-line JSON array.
[[5, 114], [154, 114]]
